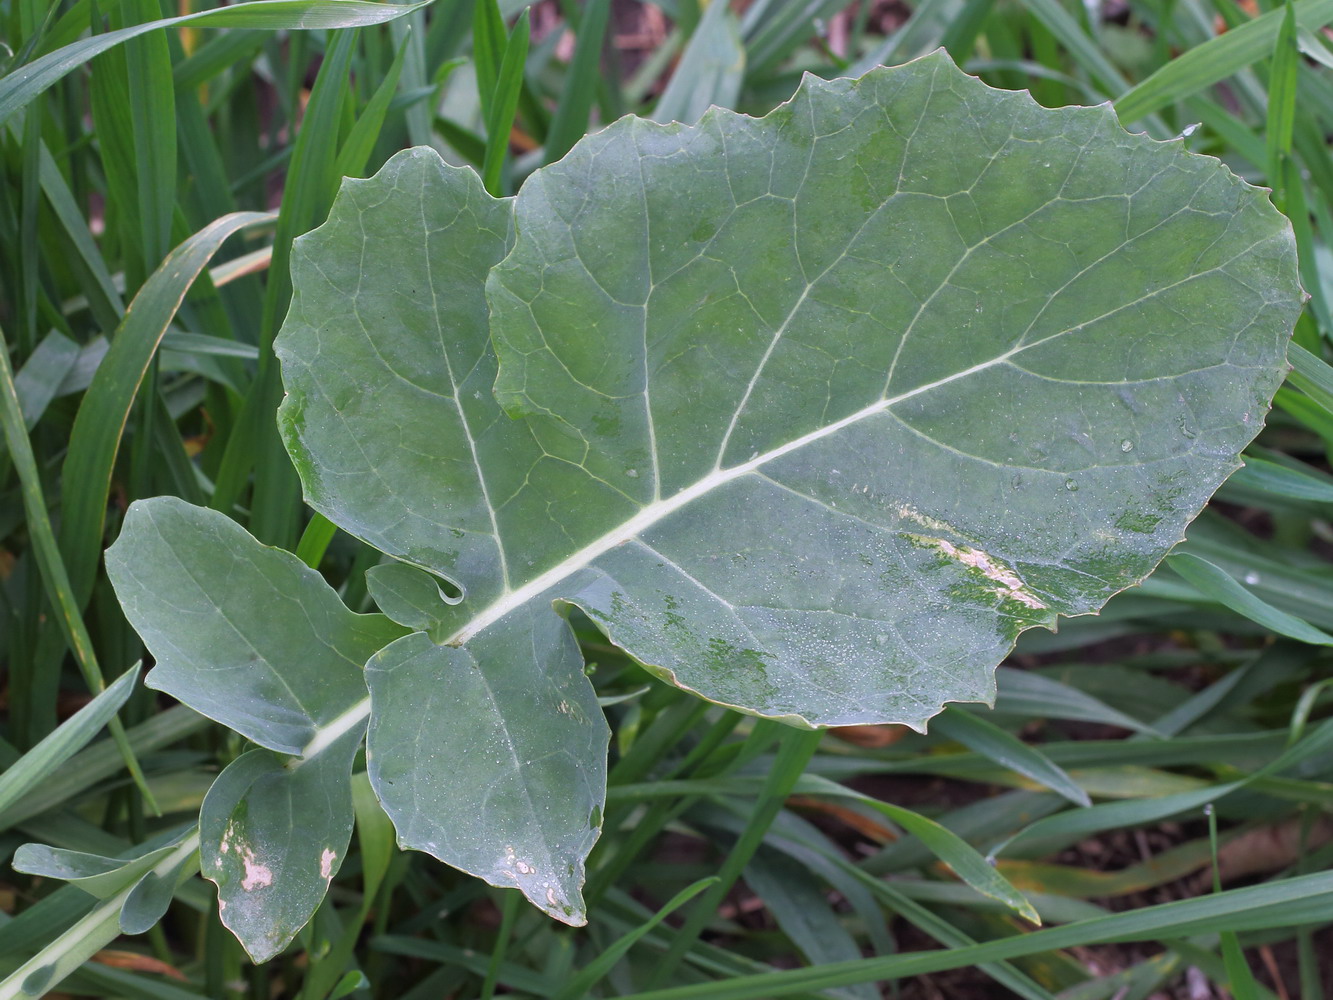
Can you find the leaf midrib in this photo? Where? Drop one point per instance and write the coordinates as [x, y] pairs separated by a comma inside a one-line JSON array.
[[656, 511]]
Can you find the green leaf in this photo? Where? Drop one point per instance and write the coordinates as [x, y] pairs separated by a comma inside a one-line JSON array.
[[512, 788], [24, 83], [1217, 59], [1217, 584], [273, 833], [1282, 98], [1263, 477], [504, 104], [147, 902], [99, 876], [254, 638], [1009, 751], [811, 414], [245, 634], [1312, 375], [408, 595], [62, 955], [38, 381], [709, 72], [41, 762], [492, 760], [574, 107], [803, 911], [587, 977], [946, 845], [1281, 903], [105, 410]]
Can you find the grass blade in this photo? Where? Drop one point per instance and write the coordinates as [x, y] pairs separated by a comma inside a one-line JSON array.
[[504, 105], [580, 90], [86, 482], [579, 985], [1216, 584], [55, 579], [794, 752], [709, 72], [1217, 59], [1282, 102], [41, 761], [1283, 903], [946, 845], [23, 84], [360, 141], [990, 740]]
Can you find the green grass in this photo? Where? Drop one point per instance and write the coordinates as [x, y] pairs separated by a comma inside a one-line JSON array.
[[154, 179]]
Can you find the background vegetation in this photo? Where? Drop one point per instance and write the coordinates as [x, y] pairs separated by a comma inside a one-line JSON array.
[[137, 315]]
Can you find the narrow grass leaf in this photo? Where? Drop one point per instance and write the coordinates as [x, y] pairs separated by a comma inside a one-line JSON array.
[[55, 578], [592, 973], [1311, 375], [946, 845], [39, 763], [1056, 19], [797, 899], [574, 107], [39, 380], [319, 531], [1282, 903], [1271, 478], [360, 141], [794, 751], [97, 763], [1217, 59], [153, 113], [1282, 99], [991, 741], [311, 183], [710, 71], [1021, 692], [1070, 826], [488, 49], [504, 105], [106, 407], [21, 85], [1215, 584]]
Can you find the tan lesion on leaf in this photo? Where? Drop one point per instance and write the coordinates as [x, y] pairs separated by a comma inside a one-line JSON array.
[[257, 876], [909, 513], [1011, 585]]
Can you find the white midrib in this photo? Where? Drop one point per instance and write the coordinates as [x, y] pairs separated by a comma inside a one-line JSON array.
[[640, 522]]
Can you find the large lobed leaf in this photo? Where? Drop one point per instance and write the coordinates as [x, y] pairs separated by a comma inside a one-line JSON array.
[[812, 414]]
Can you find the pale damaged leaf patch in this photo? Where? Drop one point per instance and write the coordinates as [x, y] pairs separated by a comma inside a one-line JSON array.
[[1012, 587]]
